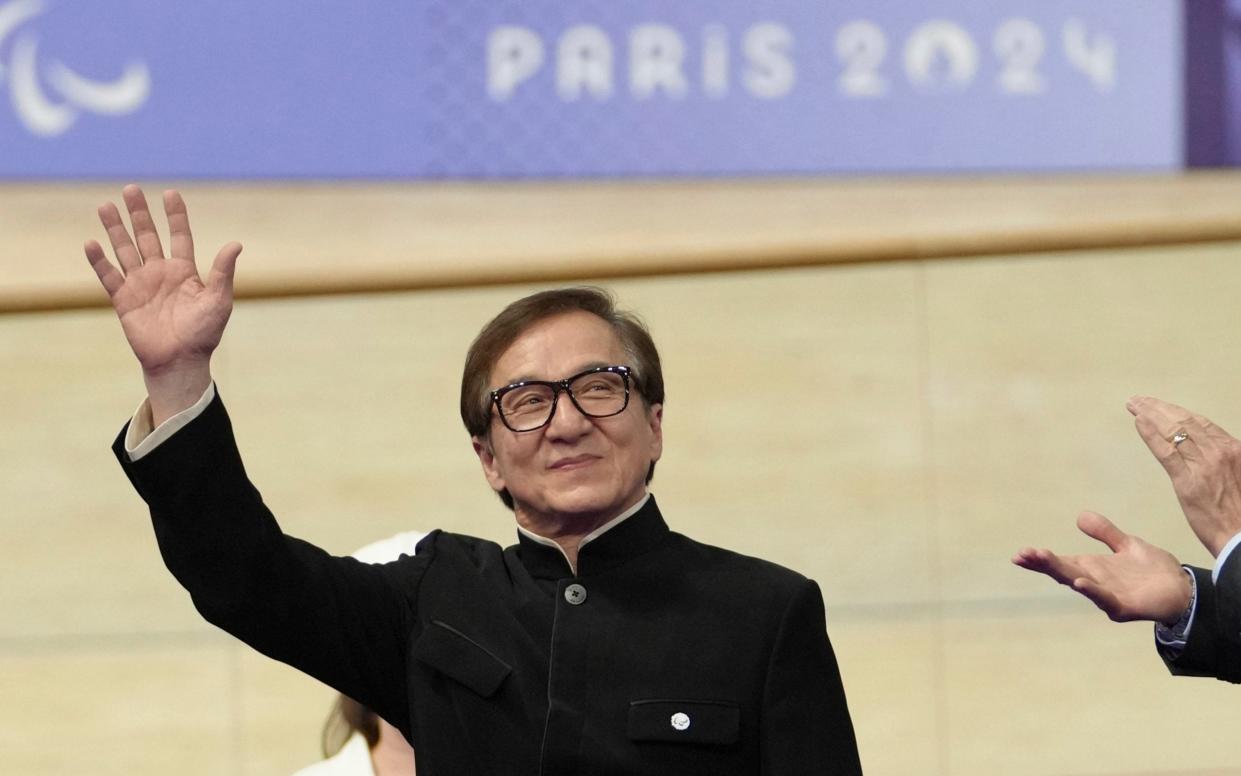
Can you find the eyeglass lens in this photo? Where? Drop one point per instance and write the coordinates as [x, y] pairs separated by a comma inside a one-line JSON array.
[[598, 394]]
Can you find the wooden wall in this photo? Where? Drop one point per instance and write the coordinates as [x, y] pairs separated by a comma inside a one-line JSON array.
[[893, 429]]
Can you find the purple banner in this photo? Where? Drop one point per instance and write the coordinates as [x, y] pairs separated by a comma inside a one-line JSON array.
[[499, 88]]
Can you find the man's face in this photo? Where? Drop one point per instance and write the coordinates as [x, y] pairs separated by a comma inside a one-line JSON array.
[[575, 466]]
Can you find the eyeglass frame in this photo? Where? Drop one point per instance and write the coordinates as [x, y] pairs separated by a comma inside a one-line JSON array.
[[562, 386]]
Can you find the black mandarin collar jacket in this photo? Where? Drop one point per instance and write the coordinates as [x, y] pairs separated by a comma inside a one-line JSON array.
[[634, 536], [662, 655]]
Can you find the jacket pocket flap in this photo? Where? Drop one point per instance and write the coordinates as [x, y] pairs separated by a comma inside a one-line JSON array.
[[684, 721], [457, 656]]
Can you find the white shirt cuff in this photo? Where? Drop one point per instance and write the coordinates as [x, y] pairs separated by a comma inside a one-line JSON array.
[[1223, 556], [1173, 637], [141, 439]]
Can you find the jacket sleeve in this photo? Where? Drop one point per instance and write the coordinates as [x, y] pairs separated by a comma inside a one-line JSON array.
[[1213, 647], [805, 723], [342, 621], [1228, 611]]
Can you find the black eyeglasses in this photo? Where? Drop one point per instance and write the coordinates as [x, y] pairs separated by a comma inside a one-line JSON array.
[[597, 393]]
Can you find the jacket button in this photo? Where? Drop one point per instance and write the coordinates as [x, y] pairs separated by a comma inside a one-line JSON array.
[[680, 721], [575, 594]]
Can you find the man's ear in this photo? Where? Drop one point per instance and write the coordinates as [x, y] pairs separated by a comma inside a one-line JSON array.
[[487, 457], [655, 418]]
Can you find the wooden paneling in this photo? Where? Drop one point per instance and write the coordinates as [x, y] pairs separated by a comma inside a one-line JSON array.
[[338, 237]]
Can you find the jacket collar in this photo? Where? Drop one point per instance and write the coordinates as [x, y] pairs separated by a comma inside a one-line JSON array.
[[626, 539]]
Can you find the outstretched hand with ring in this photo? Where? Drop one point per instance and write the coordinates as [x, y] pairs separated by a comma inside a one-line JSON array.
[[1202, 460]]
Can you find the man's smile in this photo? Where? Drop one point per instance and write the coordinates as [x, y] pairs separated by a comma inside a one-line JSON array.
[[573, 462]]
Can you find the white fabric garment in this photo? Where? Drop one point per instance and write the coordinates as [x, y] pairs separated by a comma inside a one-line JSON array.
[[353, 759]]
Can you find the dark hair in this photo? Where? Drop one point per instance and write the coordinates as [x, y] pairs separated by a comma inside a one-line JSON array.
[[347, 717], [503, 330]]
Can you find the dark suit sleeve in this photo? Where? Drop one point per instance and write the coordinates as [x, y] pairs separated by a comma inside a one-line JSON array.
[[1228, 603], [1213, 647], [342, 621], [805, 723]]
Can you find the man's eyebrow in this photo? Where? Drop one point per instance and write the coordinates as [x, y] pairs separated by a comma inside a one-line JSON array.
[[591, 365], [516, 380], [527, 377]]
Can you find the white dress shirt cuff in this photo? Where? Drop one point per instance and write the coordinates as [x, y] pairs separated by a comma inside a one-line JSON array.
[[1174, 637], [142, 439]]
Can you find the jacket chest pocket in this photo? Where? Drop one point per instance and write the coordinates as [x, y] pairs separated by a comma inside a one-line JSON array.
[[457, 656], [685, 721]]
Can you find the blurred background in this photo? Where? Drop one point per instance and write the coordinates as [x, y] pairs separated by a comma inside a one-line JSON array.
[[904, 262]]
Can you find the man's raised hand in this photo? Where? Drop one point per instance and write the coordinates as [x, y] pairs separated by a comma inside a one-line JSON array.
[[1202, 460], [171, 317]]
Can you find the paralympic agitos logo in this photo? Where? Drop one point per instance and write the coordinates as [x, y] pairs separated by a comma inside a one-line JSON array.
[[48, 114]]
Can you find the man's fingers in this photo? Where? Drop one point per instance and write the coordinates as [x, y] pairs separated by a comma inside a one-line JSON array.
[[1216, 433], [144, 226], [223, 268], [180, 240], [1152, 434], [1190, 444], [1166, 417], [1152, 404], [1204, 440], [1178, 415], [1048, 563], [1165, 413], [1173, 422], [1099, 596], [1160, 446], [1068, 572], [1027, 558], [118, 236], [108, 275], [1096, 526]]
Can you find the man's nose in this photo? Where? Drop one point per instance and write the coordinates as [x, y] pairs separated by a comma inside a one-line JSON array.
[[567, 420]]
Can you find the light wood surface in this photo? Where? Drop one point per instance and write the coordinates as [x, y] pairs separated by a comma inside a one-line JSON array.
[[337, 237]]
